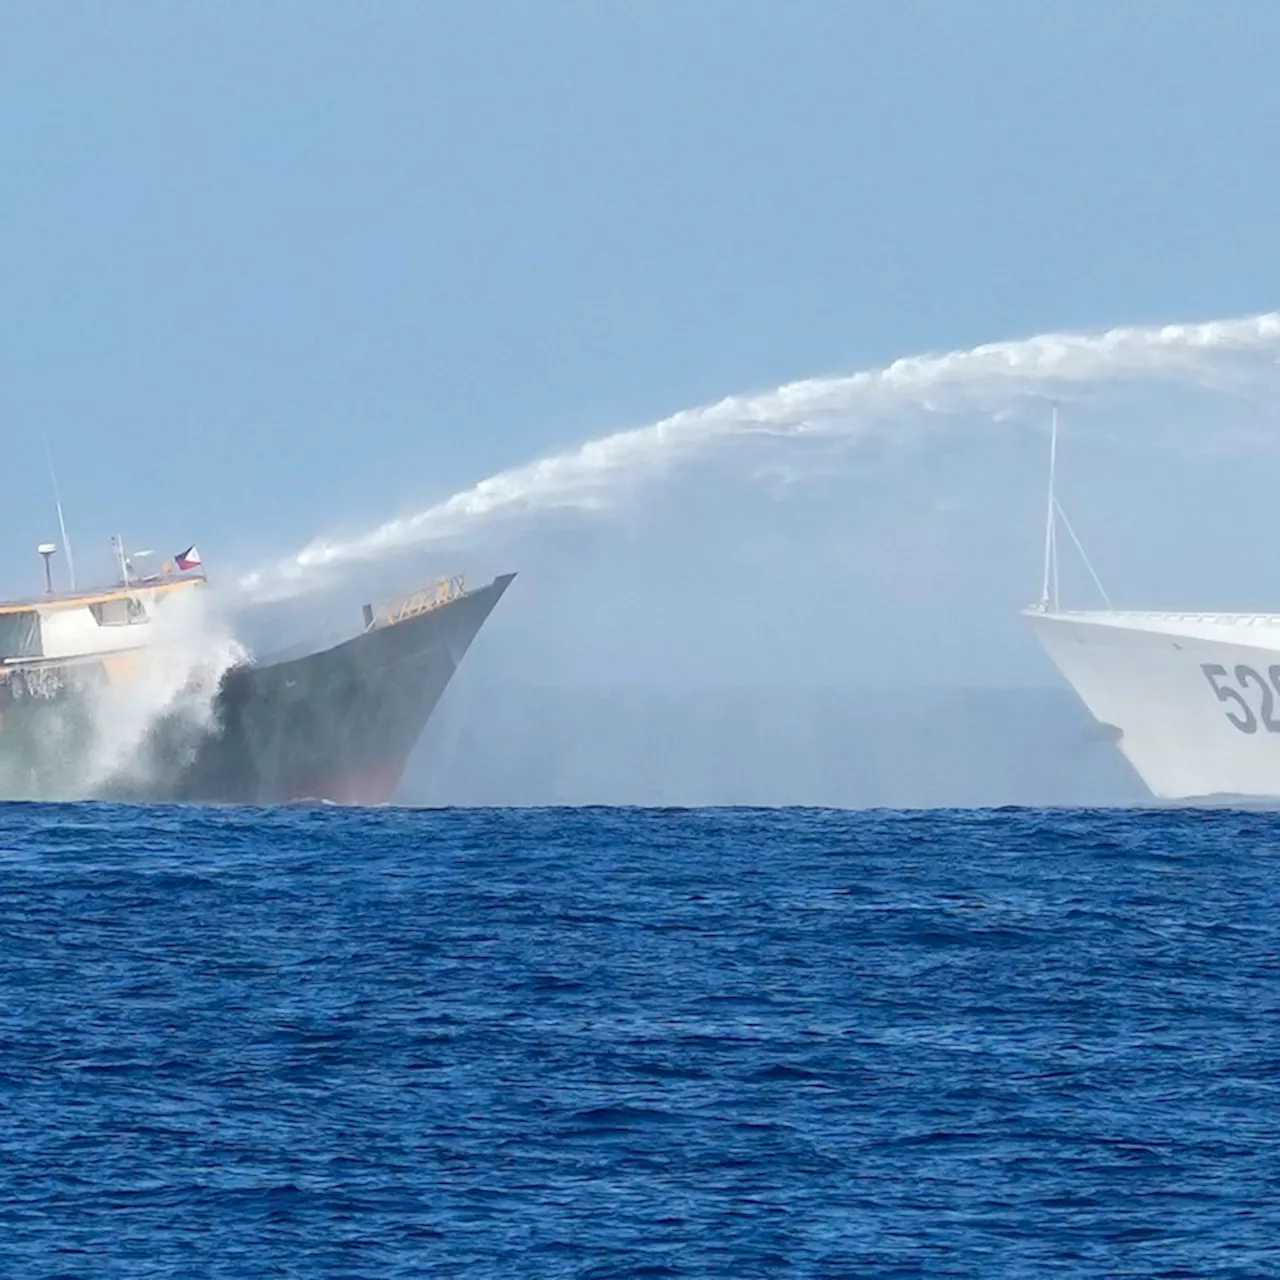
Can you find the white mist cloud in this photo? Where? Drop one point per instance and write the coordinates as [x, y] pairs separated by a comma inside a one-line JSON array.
[[1237, 355]]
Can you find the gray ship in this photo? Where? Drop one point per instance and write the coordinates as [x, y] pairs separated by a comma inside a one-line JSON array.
[[337, 724]]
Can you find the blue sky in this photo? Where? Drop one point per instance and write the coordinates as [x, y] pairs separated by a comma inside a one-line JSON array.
[[272, 267]]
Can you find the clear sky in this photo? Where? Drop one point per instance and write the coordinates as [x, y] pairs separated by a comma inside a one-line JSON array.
[[268, 268]]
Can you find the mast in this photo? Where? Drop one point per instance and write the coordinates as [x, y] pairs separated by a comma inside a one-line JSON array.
[[62, 524], [118, 541], [1050, 544]]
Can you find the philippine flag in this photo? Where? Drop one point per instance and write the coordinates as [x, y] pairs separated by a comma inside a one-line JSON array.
[[188, 559]]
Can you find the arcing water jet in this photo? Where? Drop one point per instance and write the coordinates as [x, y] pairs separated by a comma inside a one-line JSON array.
[[989, 378]]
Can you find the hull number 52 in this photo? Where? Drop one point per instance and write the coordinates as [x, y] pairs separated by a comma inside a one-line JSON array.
[[1232, 692]]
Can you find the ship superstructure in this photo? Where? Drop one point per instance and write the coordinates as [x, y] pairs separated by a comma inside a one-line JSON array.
[[59, 629]]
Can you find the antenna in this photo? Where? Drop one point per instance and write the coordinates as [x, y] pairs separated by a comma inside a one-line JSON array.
[[117, 541], [47, 550], [62, 524], [1054, 513], [1050, 542]]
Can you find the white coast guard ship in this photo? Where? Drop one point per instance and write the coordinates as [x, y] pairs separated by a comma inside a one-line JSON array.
[[1192, 700]]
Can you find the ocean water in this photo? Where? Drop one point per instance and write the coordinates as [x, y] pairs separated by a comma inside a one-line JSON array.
[[611, 1042]]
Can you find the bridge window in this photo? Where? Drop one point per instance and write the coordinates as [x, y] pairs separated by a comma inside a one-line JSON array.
[[20, 634], [122, 611]]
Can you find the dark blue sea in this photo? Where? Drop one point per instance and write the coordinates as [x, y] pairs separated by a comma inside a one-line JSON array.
[[611, 1042]]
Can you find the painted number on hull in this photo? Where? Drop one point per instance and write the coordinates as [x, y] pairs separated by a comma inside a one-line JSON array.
[[1239, 710]]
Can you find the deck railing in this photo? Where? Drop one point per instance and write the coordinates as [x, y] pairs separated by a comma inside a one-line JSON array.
[[441, 592]]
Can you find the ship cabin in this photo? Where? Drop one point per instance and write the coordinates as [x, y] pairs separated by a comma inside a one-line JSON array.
[[60, 628]]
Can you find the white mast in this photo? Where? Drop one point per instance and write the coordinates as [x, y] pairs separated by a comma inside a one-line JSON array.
[[118, 539], [1050, 544], [62, 524]]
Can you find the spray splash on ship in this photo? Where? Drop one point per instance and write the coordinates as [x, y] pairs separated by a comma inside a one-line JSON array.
[[136, 691]]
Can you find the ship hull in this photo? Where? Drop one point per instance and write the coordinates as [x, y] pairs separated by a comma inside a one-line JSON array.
[[1192, 701], [336, 725]]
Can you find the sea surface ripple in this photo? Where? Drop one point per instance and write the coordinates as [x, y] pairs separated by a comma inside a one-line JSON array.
[[612, 1042]]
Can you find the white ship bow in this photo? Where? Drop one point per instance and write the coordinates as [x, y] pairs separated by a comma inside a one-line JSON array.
[[1192, 700]]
